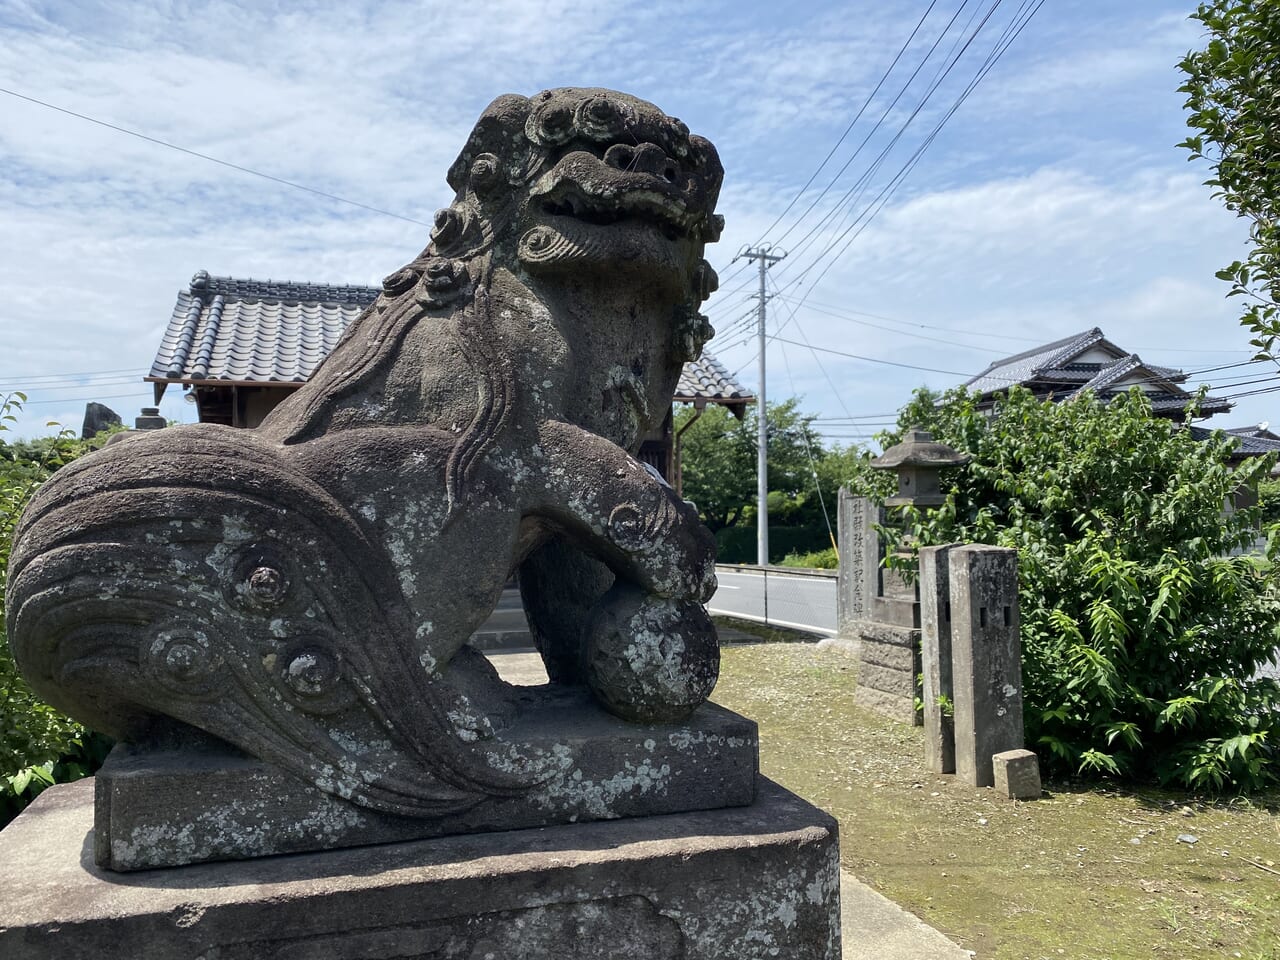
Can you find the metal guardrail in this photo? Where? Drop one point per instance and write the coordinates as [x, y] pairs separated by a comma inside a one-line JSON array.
[[798, 599]]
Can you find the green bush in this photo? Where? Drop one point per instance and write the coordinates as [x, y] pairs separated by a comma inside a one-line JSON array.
[[738, 544], [1269, 500], [38, 745], [1141, 634], [816, 560]]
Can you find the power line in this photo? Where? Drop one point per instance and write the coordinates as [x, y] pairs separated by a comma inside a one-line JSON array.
[[884, 153], [1006, 39], [47, 387], [68, 376], [869, 212], [205, 156], [858, 116], [831, 383], [813, 466], [845, 313], [1250, 393], [878, 326], [891, 363], [115, 396], [865, 140]]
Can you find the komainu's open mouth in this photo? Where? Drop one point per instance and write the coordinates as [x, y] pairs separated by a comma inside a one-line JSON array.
[[669, 214]]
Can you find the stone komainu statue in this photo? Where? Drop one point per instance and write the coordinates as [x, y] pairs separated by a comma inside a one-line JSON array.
[[305, 590]]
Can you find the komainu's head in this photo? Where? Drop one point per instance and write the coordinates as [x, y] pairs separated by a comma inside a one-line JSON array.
[[578, 178]]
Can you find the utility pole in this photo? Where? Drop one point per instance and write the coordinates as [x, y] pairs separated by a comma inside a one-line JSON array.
[[766, 258]]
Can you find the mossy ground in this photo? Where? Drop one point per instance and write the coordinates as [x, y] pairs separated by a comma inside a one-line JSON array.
[[1060, 877]]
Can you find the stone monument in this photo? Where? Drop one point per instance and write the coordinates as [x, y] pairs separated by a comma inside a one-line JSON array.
[[274, 622]]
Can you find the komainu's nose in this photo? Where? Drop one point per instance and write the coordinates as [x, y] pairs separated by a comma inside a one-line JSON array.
[[645, 158]]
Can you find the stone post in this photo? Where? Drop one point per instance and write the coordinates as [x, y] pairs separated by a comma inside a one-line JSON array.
[[859, 578], [986, 658], [935, 640]]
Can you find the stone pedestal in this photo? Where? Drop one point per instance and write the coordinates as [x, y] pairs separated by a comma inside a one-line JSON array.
[[751, 882], [163, 808], [888, 664]]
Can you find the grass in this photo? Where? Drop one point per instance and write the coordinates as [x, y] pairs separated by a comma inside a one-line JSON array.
[[1087, 872]]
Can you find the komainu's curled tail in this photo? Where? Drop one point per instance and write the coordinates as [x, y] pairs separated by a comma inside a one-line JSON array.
[[194, 575]]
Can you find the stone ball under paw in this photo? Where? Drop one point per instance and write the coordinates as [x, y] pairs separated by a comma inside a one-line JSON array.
[[650, 659]]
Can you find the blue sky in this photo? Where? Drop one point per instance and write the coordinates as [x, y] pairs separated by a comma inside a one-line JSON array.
[[1052, 201]]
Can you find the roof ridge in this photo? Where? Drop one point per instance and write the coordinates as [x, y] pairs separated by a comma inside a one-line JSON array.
[[247, 288], [1076, 344], [1032, 351]]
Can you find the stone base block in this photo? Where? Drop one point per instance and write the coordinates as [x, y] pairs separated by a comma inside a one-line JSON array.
[[1017, 774], [759, 881], [160, 808], [891, 705], [888, 665]]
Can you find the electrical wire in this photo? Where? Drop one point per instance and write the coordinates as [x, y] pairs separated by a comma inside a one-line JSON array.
[[1002, 45], [877, 326], [890, 363], [114, 396], [813, 467], [884, 153], [858, 116], [831, 383], [68, 376], [205, 156]]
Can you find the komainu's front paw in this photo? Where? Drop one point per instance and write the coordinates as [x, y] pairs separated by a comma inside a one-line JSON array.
[[650, 659]]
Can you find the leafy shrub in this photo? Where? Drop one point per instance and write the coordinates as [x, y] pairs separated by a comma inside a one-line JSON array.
[[1141, 634], [1269, 500], [817, 560], [738, 544], [38, 745]]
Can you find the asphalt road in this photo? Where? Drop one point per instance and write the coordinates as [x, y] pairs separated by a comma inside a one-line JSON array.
[[799, 601]]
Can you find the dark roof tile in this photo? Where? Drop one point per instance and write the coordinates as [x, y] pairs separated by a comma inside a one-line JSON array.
[[224, 328], [1057, 363]]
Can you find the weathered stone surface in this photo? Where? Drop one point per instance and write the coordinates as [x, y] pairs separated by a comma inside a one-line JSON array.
[[859, 579], [986, 659], [889, 633], [1017, 774], [98, 417], [898, 611], [886, 679], [891, 655], [895, 706], [895, 586], [305, 590], [742, 884], [188, 804], [935, 659]]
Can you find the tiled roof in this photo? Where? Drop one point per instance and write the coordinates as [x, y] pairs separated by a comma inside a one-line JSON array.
[[1208, 406], [264, 331], [1046, 367], [1261, 430], [707, 379], [1021, 367], [1246, 446], [223, 328]]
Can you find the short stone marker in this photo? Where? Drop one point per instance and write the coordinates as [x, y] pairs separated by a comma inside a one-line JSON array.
[[1017, 774]]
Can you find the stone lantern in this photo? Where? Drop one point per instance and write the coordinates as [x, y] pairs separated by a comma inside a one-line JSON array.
[[918, 459]]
